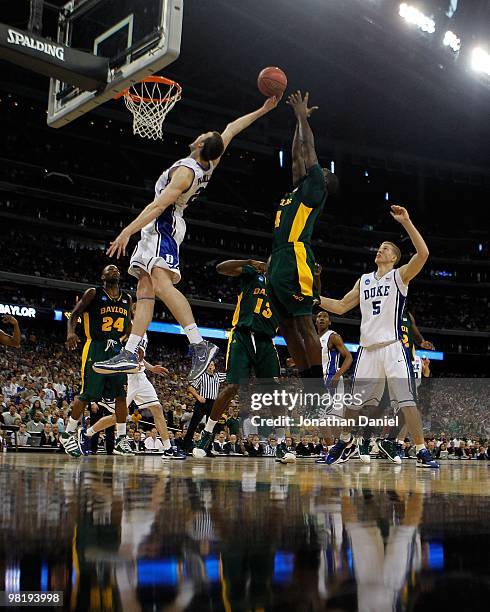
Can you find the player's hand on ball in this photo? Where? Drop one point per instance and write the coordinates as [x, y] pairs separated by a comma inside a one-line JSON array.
[[399, 213], [271, 103], [71, 342], [118, 247], [160, 370], [9, 319]]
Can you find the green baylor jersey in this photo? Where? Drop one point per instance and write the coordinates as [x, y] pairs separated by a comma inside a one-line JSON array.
[[406, 334], [107, 318], [299, 210], [253, 311]]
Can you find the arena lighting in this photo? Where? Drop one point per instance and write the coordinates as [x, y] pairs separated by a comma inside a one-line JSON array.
[[452, 41], [416, 17], [281, 158], [480, 60], [332, 167]]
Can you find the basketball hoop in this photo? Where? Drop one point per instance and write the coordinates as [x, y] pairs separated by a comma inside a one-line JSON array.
[[149, 101]]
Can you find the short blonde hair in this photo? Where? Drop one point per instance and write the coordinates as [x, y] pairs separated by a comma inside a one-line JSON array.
[[396, 250]]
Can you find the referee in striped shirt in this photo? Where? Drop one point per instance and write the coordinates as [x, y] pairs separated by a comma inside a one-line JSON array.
[[205, 390]]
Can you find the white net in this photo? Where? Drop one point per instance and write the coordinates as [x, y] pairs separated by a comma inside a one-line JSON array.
[[149, 103]]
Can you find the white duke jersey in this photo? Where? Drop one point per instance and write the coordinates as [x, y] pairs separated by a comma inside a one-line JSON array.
[[330, 358], [382, 302], [171, 221]]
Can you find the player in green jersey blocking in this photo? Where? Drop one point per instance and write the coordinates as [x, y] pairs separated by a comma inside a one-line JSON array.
[[250, 343], [291, 286], [106, 313]]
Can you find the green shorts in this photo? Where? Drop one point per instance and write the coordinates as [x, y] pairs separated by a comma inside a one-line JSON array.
[[100, 386], [290, 281], [247, 352]]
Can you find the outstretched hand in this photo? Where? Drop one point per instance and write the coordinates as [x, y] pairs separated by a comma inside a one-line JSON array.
[[118, 246], [399, 213], [300, 104], [271, 103], [158, 369]]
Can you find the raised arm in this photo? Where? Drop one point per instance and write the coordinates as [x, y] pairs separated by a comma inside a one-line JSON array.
[[240, 124], [307, 140], [180, 182], [7, 339], [80, 307], [348, 302], [299, 168], [415, 265], [234, 267]]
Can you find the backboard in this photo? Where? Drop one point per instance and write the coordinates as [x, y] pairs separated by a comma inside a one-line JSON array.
[[140, 37]]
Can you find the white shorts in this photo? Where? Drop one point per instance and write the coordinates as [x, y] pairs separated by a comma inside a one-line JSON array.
[[375, 367], [159, 247], [141, 391]]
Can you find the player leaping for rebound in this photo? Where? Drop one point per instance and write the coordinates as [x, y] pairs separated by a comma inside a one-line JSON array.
[[290, 281], [382, 356], [155, 260]]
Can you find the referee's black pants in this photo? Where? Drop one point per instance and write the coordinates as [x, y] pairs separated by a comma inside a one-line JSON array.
[[199, 411]]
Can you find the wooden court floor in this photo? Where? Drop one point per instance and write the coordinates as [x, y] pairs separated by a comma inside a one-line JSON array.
[[137, 533]]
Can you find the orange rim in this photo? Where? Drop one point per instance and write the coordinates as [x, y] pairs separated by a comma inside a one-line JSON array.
[[152, 79]]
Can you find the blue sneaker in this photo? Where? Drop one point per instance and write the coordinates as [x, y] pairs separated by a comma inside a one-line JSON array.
[[174, 453], [123, 363], [336, 453], [201, 354], [84, 442], [349, 452], [424, 460]]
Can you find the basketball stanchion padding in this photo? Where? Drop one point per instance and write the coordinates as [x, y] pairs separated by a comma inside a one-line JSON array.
[[149, 101]]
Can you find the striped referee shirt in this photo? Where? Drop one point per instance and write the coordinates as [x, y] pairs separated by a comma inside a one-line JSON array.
[[207, 385]]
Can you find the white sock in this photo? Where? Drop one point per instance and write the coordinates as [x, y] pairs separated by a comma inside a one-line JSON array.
[[90, 431], [345, 437], [210, 425], [193, 334], [132, 343], [120, 429], [166, 444], [72, 425], [419, 447]]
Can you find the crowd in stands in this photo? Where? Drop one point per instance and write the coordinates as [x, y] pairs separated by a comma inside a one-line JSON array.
[[83, 263], [39, 382]]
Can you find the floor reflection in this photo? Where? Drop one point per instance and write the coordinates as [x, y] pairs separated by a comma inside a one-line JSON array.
[[133, 534]]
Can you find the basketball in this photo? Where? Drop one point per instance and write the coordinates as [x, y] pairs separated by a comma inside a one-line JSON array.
[[272, 81]]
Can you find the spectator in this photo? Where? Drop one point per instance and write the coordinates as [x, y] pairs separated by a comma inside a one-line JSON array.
[[482, 455], [305, 448], [137, 444], [10, 415], [136, 416], [271, 447], [233, 421], [442, 452], [49, 394], [152, 443], [462, 452], [234, 446], [35, 426], [220, 445], [56, 435], [287, 445], [254, 448], [3, 405], [39, 398], [22, 435], [47, 438]]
